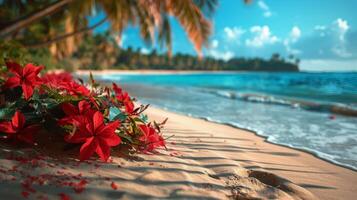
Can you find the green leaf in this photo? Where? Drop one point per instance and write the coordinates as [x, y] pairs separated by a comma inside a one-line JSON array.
[[144, 118], [125, 136], [115, 113], [6, 113]]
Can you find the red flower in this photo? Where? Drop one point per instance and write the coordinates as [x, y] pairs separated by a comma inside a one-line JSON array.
[[64, 81], [57, 80], [96, 136], [117, 89], [26, 77], [72, 112], [15, 128], [75, 89], [124, 98], [83, 107], [150, 138]]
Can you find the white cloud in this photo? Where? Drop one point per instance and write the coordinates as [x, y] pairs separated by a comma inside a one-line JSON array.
[[342, 24], [214, 43], [295, 33], [343, 27], [266, 10], [144, 50], [294, 36], [341, 51], [233, 33], [290, 49], [320, 28], [225, 55], [331, 41], [262, 36], [214, 52]]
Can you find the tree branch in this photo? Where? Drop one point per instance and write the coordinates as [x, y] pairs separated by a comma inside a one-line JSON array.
[[26, 20], [67, 35]]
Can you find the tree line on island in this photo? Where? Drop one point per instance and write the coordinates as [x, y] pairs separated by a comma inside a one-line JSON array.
[[101, 52]]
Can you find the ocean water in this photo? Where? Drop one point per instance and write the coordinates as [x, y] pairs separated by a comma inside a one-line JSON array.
[[315, 112]]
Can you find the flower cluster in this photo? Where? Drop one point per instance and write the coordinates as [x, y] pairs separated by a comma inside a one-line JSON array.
[[93, 117]]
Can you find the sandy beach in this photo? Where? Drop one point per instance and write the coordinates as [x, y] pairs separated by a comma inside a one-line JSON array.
[[204, 160]]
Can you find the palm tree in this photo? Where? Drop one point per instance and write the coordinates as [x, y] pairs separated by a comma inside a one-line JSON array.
[[150, 15]]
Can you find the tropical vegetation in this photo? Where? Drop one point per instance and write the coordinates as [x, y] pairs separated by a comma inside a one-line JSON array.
[[60, 24], [57, 34], [36, 110]]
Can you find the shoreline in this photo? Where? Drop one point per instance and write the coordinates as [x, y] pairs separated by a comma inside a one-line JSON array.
[[309, 159], [263, 137], [278, 144]]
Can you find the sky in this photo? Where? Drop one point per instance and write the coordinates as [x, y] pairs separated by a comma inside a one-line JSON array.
[[322, 33]]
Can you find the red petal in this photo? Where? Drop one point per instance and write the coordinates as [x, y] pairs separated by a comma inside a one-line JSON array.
[[112, 140], [25, 194], [117, 89], [31, 69], [145, 130], [88, 148], [114, 186], [38, 69], [107, 133], [14, 68], [27, 90], [83, 106], [69, 109], [129, 106], [64, 196], [79, 187], [38, 81], [97, 120], [109, 128], [103, 150], [6, 127], [12, 82], [18, 120]]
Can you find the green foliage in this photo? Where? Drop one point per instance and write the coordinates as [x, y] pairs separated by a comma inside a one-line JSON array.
[[95, 53], [101, 52], [41, 56], [11, 50], [115, 113], [14, 51]]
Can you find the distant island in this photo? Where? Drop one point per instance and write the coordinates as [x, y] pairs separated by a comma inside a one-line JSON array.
[[101, 51]]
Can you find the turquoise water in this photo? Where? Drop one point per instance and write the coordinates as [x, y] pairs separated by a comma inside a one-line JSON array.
[[301, 110]]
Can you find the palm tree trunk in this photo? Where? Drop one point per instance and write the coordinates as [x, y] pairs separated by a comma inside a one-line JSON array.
[[24, 21], [64, 36]]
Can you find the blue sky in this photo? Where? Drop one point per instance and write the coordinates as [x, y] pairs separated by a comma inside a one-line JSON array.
[[323, 33]]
